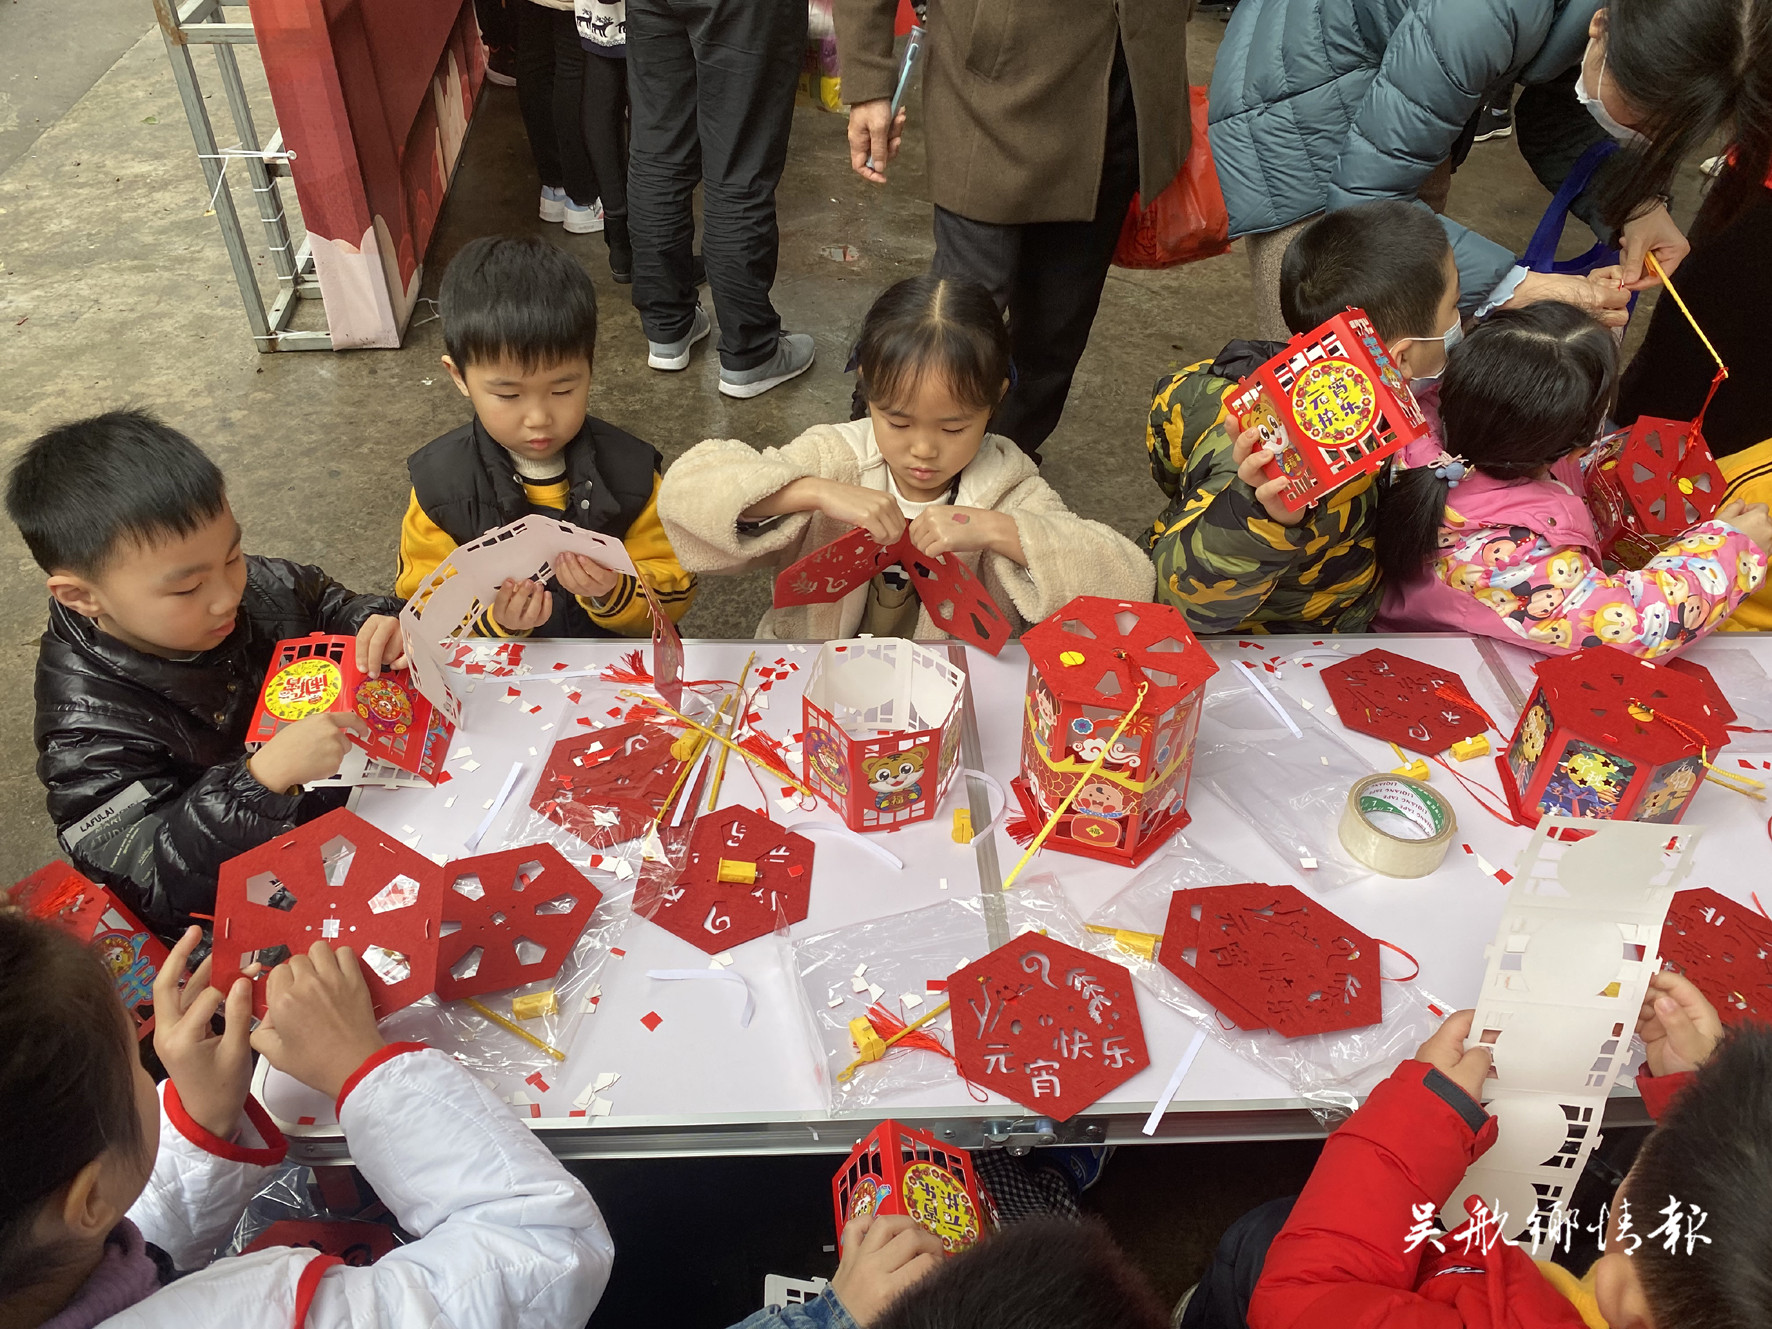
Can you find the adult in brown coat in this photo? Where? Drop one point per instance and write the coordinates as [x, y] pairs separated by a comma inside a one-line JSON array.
[[1042, 119]]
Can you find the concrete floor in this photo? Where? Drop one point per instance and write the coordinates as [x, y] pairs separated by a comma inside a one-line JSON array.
[[114, 288]]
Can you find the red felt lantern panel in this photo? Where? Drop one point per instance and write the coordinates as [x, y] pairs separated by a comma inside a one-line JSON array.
[[509, 918], [628, 768], [1271, 957], [340, 880], [1047, 1025], [1667, 473], [954, 596], [713, 914], [1723, 947], [1096, 652], [1407, 702]]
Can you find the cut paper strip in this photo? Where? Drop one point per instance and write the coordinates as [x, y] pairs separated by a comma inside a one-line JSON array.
[[806, 826], [719, 975], [1046, 1025], [1179, 1074], [498, 801]]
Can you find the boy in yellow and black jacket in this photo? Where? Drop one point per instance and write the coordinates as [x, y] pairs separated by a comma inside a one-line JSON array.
[[1231, 560], [520, 326]]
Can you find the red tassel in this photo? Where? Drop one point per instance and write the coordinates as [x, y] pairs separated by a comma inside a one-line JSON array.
[[886, 1024], [1019, 829], [631, 669], [62, 897]]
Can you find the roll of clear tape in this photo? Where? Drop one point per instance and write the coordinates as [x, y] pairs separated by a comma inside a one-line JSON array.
[[1397, 826]]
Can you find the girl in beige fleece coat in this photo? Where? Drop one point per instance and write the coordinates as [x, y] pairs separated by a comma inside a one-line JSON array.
[[933, 359]]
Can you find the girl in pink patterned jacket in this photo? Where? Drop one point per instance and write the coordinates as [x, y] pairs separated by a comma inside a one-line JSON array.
[[1488, 533]]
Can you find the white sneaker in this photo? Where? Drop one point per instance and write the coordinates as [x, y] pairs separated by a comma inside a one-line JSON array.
[[584, 221], [673, 355], [553, 204], [793, 357]]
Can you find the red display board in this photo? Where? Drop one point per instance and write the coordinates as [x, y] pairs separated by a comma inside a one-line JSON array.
[[1607, 735], [1049, 1026], [1407, 702], [1332, 403], [61, 897], [898, 1170], [318, 675], [1085, 666], [373, 101]]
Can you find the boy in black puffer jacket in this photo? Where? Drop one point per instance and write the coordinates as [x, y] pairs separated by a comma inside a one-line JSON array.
[[160, 633]]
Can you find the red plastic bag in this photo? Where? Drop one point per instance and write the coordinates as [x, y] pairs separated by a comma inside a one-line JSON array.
[[1187, 221]]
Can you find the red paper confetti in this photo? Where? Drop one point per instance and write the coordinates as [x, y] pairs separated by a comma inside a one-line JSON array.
[[652, 1020], [534, 1078]]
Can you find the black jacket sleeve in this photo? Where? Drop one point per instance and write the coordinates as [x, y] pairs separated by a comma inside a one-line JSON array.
[[127, 819], [329, 605]]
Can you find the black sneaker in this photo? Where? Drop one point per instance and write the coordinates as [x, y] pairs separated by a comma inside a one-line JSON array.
[[621, 250], [1494, 121]]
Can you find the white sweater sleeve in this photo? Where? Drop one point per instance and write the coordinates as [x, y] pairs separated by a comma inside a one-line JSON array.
[[504, 1235]]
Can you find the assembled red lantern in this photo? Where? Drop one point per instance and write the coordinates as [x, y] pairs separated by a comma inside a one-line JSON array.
[[64, 899], [1086, 664], [897, 1170], [882, 721], [1610, 736], [1332, 403]]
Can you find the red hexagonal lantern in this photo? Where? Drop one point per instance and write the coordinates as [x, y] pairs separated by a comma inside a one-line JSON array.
[[1047, 1025], [509, 918], [1333, 406], [1085, 666], [1607, 735], [744, 877], [1648, 483], [882, 720], [336, 879], [898, 1170], [64, 899]]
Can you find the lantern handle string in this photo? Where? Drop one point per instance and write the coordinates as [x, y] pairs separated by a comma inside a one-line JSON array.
[[722, 740], [1407, 978], [1083, 779], [1449, 693], [1741, 784], [1477, 789], [1660, 272]]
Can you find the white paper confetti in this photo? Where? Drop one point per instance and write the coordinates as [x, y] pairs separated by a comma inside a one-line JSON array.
[[944, 883], [911, 999], [470, 765], [462, 753], [604, 1080], [858, 985], [723, 959], [876, 991], [582, 1099], [601, 1107], [861, 969], [533, 753], [1309, 864], [622, 869], [449, 802], [833, 1003]]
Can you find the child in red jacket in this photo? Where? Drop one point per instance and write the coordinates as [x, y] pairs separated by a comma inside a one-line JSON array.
[[1345, 1256]]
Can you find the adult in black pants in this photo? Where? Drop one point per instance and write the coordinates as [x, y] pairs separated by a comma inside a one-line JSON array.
[[604, 120], [550, 89], [711, 86], [1044, 117]]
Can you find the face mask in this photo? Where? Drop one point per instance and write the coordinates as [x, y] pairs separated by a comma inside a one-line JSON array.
[[1451, 337], [1630, 138]]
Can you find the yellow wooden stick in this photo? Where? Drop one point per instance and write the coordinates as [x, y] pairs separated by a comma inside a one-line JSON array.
[[778, 772], [516, 1029], [689, 760], [1655, 267], [720, 761], [848, 1071], [1082, 780]]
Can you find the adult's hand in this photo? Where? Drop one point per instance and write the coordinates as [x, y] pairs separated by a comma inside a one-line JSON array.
[[1607, 301], [872, 139], [1652, 233]]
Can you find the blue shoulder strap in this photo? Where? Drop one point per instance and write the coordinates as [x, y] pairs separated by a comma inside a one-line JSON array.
[[1541, 254]]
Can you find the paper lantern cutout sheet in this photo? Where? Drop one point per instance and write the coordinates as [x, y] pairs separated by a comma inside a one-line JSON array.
[[1334, 406], [1046, 1025], [508, 919], [318, 675], [1585, 745], [625, 769], [93, 915], [716, 915], [896, 1169], [1647, 484], [1723, 947], [1271, 957], [337, 879], [954, 596], [451, 601], [1086, 663], [1402, 701]]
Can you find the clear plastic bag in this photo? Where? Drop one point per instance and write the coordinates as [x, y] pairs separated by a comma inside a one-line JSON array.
[[1332, 1073], [900, 954], [1289, 781], [283, 1196]]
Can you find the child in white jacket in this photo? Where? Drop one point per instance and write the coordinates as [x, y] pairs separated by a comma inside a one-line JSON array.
[[107, 1187], [933, 359]]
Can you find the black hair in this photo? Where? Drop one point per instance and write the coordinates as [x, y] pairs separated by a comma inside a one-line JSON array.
[[519, 298], [67, 1081], [1043, 1273], [1384, 256], [1691, 67], [1524, 389], [1712, 1152], [84, 488], [939, 324]]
